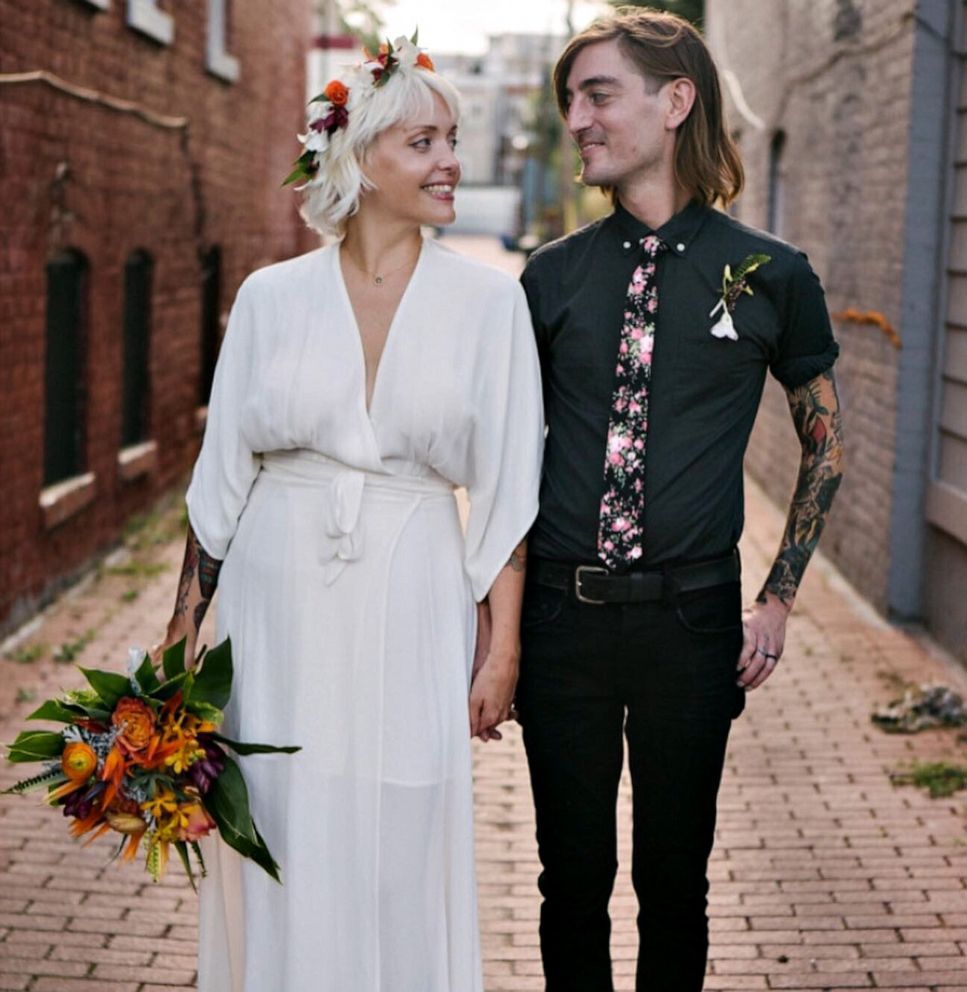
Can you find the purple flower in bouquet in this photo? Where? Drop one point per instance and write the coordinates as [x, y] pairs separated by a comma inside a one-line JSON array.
[[205, 770], [79, 804]]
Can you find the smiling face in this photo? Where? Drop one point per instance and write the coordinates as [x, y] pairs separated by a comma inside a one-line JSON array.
[[415, 169], [623, 123]]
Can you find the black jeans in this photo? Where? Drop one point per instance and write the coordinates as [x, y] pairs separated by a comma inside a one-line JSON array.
[[664, 673]]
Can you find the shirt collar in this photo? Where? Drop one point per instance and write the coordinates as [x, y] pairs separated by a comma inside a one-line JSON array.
[[677, 232]]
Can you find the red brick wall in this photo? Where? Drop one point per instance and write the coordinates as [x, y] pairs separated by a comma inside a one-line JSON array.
[[76, 174]]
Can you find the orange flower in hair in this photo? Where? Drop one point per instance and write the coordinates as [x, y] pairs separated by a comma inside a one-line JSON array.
[[424, 61], [337, 93]]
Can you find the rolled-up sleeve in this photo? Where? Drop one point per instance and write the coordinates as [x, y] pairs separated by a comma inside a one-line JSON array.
[[807, 347]]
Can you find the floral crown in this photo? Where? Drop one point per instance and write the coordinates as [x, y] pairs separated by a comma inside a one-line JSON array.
[[329, 111]]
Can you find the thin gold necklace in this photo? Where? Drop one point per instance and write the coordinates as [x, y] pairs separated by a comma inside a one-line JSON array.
[[380, 278]]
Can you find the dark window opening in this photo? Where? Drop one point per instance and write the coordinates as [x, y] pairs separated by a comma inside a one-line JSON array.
[[64, 390], [136, 344], [776, 183]]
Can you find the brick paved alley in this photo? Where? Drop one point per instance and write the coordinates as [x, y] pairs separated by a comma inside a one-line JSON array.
[[825, 876]]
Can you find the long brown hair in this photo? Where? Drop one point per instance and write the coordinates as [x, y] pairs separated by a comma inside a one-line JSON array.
[[663, 46]]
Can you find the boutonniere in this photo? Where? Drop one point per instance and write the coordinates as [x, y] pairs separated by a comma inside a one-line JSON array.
[[733, 285]]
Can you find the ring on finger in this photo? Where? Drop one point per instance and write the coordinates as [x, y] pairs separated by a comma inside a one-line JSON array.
[[765, 654]]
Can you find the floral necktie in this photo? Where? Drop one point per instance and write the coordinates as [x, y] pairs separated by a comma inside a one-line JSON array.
[[623, 502]]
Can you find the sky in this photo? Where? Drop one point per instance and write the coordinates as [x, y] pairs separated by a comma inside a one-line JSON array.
[[463, 25]]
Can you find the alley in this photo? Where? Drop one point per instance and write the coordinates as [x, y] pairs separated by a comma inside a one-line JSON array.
[[824, 876]]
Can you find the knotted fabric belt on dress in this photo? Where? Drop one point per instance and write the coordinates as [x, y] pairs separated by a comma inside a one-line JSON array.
[[343, 497]]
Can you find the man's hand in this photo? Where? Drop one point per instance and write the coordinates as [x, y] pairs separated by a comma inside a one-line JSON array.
[[492, 695], [764, 635]]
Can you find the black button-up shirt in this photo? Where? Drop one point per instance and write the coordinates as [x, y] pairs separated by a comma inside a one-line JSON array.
[[704, 391]]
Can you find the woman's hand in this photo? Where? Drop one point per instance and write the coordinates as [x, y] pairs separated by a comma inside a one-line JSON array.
[[175, 632], [492, 693]]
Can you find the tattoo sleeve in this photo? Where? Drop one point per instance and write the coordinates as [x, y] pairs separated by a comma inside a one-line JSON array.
[[201, 564], [518, 558], [816, 414]]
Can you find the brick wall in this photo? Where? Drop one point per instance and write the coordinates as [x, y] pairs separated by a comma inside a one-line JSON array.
[[834, 75], [77, 174]]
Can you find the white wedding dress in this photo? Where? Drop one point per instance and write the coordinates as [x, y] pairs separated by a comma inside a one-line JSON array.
[[348, 590]]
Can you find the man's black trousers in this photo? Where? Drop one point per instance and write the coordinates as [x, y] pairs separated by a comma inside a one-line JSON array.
[[664, 675]]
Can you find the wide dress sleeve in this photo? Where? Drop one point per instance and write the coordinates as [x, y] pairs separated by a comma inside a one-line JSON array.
[[226, 467], [507, 445]]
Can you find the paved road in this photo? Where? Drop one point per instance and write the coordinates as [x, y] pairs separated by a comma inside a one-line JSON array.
[[824, 875]]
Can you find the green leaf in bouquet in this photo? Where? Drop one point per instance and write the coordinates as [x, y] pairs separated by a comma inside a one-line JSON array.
[[182, 848], [36, 745], [205, 711], [90, 702], [213, 681], [200, 858], [54, 777], [169, 687], [227, 803], [146, 677], [173, 660], [239, 748], [58, 711], [109, 686]]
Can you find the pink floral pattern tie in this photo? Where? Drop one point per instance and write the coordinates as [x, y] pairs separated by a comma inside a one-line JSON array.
[[623, 502]]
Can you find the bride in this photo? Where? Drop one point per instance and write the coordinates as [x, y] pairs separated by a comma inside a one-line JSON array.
[[356, 387]]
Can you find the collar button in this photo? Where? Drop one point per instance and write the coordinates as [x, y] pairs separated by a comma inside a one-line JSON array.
[[680, 246]]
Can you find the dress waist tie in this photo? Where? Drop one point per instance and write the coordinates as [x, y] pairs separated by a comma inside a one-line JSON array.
[[344, 497]]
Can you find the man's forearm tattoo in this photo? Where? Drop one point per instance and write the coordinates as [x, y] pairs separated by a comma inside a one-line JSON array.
[[197, 561], [818, 421], [518, 558]]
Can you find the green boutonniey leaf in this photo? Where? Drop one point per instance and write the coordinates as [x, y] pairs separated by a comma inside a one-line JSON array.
[[748, 265]]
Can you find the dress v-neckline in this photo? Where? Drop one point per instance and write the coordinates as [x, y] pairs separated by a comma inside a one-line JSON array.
[[390, 333]]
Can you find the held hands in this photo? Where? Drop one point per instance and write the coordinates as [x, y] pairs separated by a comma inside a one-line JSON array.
[[763, 638], [493, 679]]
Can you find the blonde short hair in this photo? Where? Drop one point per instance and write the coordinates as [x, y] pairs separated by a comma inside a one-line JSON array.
[[332, 196]]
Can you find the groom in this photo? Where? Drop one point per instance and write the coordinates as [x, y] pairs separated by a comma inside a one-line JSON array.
[[656, 328]]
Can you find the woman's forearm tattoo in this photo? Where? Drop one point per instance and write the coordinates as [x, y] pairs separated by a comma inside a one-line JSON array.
[[818, 421], [197, 561], [518, 558]]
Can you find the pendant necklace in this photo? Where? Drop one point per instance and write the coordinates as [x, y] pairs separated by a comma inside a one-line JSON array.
[[380, 278]]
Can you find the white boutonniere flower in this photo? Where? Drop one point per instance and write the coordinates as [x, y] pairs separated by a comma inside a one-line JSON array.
[[733, 286]]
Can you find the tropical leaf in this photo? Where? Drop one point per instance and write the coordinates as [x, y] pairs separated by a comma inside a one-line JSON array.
[[173, 660], [146, 676], [109, 686], [58, 711], [227, 803], [182, 848], [239, 748], [36, 745], [213, 681]]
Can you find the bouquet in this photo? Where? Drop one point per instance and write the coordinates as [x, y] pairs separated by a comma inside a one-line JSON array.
[[140, 755]]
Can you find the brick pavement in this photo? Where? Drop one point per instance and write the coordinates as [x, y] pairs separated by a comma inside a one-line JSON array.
[[824, 875]]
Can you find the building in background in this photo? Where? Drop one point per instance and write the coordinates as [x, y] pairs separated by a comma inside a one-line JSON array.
[[143, 146], [850, 115], [501, 94]]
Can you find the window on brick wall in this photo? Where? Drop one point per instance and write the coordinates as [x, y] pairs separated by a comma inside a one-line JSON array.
[[211, 295], [136, 348], [64, 367], [776, 183]]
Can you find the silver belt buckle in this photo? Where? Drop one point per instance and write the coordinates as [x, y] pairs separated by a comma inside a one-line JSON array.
[[591, 570]]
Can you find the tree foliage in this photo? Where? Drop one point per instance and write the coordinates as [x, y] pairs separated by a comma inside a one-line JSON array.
[[691, 10]]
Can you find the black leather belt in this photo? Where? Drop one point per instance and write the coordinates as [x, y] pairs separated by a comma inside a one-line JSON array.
[[596, 585]]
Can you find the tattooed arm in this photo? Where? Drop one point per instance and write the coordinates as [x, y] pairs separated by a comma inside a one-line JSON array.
[[196, 587], [816, 415], [497, 657]]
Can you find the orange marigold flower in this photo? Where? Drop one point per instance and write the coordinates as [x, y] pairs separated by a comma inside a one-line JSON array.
[[425, 61], [336, 93], [78, 761], [135, 720]]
